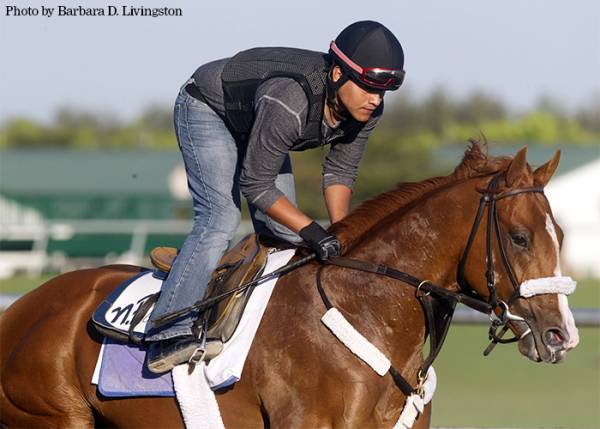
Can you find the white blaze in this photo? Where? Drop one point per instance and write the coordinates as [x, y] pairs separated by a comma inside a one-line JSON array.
[[563, 303], [569, 321], [553, 236]]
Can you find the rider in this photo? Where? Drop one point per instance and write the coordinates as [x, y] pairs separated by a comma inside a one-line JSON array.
[[236, 119]]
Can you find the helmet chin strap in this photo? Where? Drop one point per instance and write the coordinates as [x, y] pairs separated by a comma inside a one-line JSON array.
[[337, 108]]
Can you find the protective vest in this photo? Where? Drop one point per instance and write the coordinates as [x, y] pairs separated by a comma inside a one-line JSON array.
[[245, 71]]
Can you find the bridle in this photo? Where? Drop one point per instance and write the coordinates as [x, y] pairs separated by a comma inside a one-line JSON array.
[[489, 198]]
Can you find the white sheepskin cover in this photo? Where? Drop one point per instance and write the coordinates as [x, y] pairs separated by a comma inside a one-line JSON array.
[[357, 344], [197, 401], [373, 357], [414, 404], [562, 285]]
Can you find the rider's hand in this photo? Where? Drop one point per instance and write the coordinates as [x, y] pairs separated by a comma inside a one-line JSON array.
[[322, 242]]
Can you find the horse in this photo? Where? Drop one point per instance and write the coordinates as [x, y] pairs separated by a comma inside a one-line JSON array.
[[297, 374]]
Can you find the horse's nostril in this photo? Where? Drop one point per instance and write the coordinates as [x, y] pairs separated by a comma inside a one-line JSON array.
[[554, 338]]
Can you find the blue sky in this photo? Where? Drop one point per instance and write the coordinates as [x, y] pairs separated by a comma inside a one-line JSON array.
[[514, 49]]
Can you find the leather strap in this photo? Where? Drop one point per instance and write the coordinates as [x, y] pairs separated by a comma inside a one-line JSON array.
[[437, 327], [402, 384], [423, 286], [513, 192]]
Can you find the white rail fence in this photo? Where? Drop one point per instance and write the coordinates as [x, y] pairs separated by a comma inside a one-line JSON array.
[[37, 260], [584, 317]]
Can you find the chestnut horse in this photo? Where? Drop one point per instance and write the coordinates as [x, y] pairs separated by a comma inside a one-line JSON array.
[[298, 375]]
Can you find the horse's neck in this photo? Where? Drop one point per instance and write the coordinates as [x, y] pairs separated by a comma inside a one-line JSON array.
[[426, 241]]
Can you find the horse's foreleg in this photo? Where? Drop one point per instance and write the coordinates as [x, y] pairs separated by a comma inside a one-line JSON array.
[[13, 416]]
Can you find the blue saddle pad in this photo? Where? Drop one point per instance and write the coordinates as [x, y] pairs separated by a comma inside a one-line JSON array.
[[123, 373]]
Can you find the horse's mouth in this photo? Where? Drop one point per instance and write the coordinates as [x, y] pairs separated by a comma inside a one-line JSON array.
[[549, 347]]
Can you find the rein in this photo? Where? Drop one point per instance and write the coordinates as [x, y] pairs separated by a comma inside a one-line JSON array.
[[204, 304]]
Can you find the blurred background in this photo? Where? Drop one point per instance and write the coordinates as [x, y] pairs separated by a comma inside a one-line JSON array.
[[90, 172]]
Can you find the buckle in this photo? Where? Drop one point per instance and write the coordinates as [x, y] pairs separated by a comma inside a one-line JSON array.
[[419, 293], [420, 389], [197, 356]]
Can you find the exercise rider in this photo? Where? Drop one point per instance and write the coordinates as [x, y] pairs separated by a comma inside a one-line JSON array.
[[236, 120]]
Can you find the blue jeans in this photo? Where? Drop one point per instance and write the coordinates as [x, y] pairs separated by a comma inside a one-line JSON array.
[[212, 164]]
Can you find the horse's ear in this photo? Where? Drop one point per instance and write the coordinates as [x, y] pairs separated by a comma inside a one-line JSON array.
[[542, 174], [517, 168]]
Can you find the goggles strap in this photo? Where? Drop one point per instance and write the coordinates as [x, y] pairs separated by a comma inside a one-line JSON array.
[[345, 58]]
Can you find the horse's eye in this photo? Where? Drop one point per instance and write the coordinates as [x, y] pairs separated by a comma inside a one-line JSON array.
[[520, 239]]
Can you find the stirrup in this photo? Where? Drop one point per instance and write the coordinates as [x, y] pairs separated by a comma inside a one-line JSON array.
[[211, 349], [200, 351]]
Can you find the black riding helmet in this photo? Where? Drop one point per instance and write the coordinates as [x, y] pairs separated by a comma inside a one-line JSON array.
[[370, 55]]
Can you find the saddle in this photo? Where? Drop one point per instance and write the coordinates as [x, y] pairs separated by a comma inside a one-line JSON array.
[[123, 315], [243, 263]]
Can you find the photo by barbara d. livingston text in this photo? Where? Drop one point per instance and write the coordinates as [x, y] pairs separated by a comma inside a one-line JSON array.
[[114, 10]]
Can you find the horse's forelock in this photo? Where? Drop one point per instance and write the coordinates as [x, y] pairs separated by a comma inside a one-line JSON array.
[[475, 163]]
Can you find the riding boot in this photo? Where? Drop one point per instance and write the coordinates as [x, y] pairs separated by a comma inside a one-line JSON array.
[[163, 355]]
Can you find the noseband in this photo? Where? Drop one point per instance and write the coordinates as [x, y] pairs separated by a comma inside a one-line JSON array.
[[490, 196]]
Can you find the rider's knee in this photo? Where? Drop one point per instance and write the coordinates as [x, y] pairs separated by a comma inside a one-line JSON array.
[[229, 223]]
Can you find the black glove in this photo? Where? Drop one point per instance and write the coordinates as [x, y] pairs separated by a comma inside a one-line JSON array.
[[322, 242]]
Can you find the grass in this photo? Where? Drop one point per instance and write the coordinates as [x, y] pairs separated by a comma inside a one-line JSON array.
[[504, 389], [22, 283], [587, 294]]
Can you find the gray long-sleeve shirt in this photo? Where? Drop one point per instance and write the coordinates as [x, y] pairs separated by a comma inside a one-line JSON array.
[[281, 109]]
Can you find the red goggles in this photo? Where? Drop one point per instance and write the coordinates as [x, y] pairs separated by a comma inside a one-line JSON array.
[[376, 77]]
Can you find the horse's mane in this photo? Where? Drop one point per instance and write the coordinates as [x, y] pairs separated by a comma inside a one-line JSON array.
[[475, 163]]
